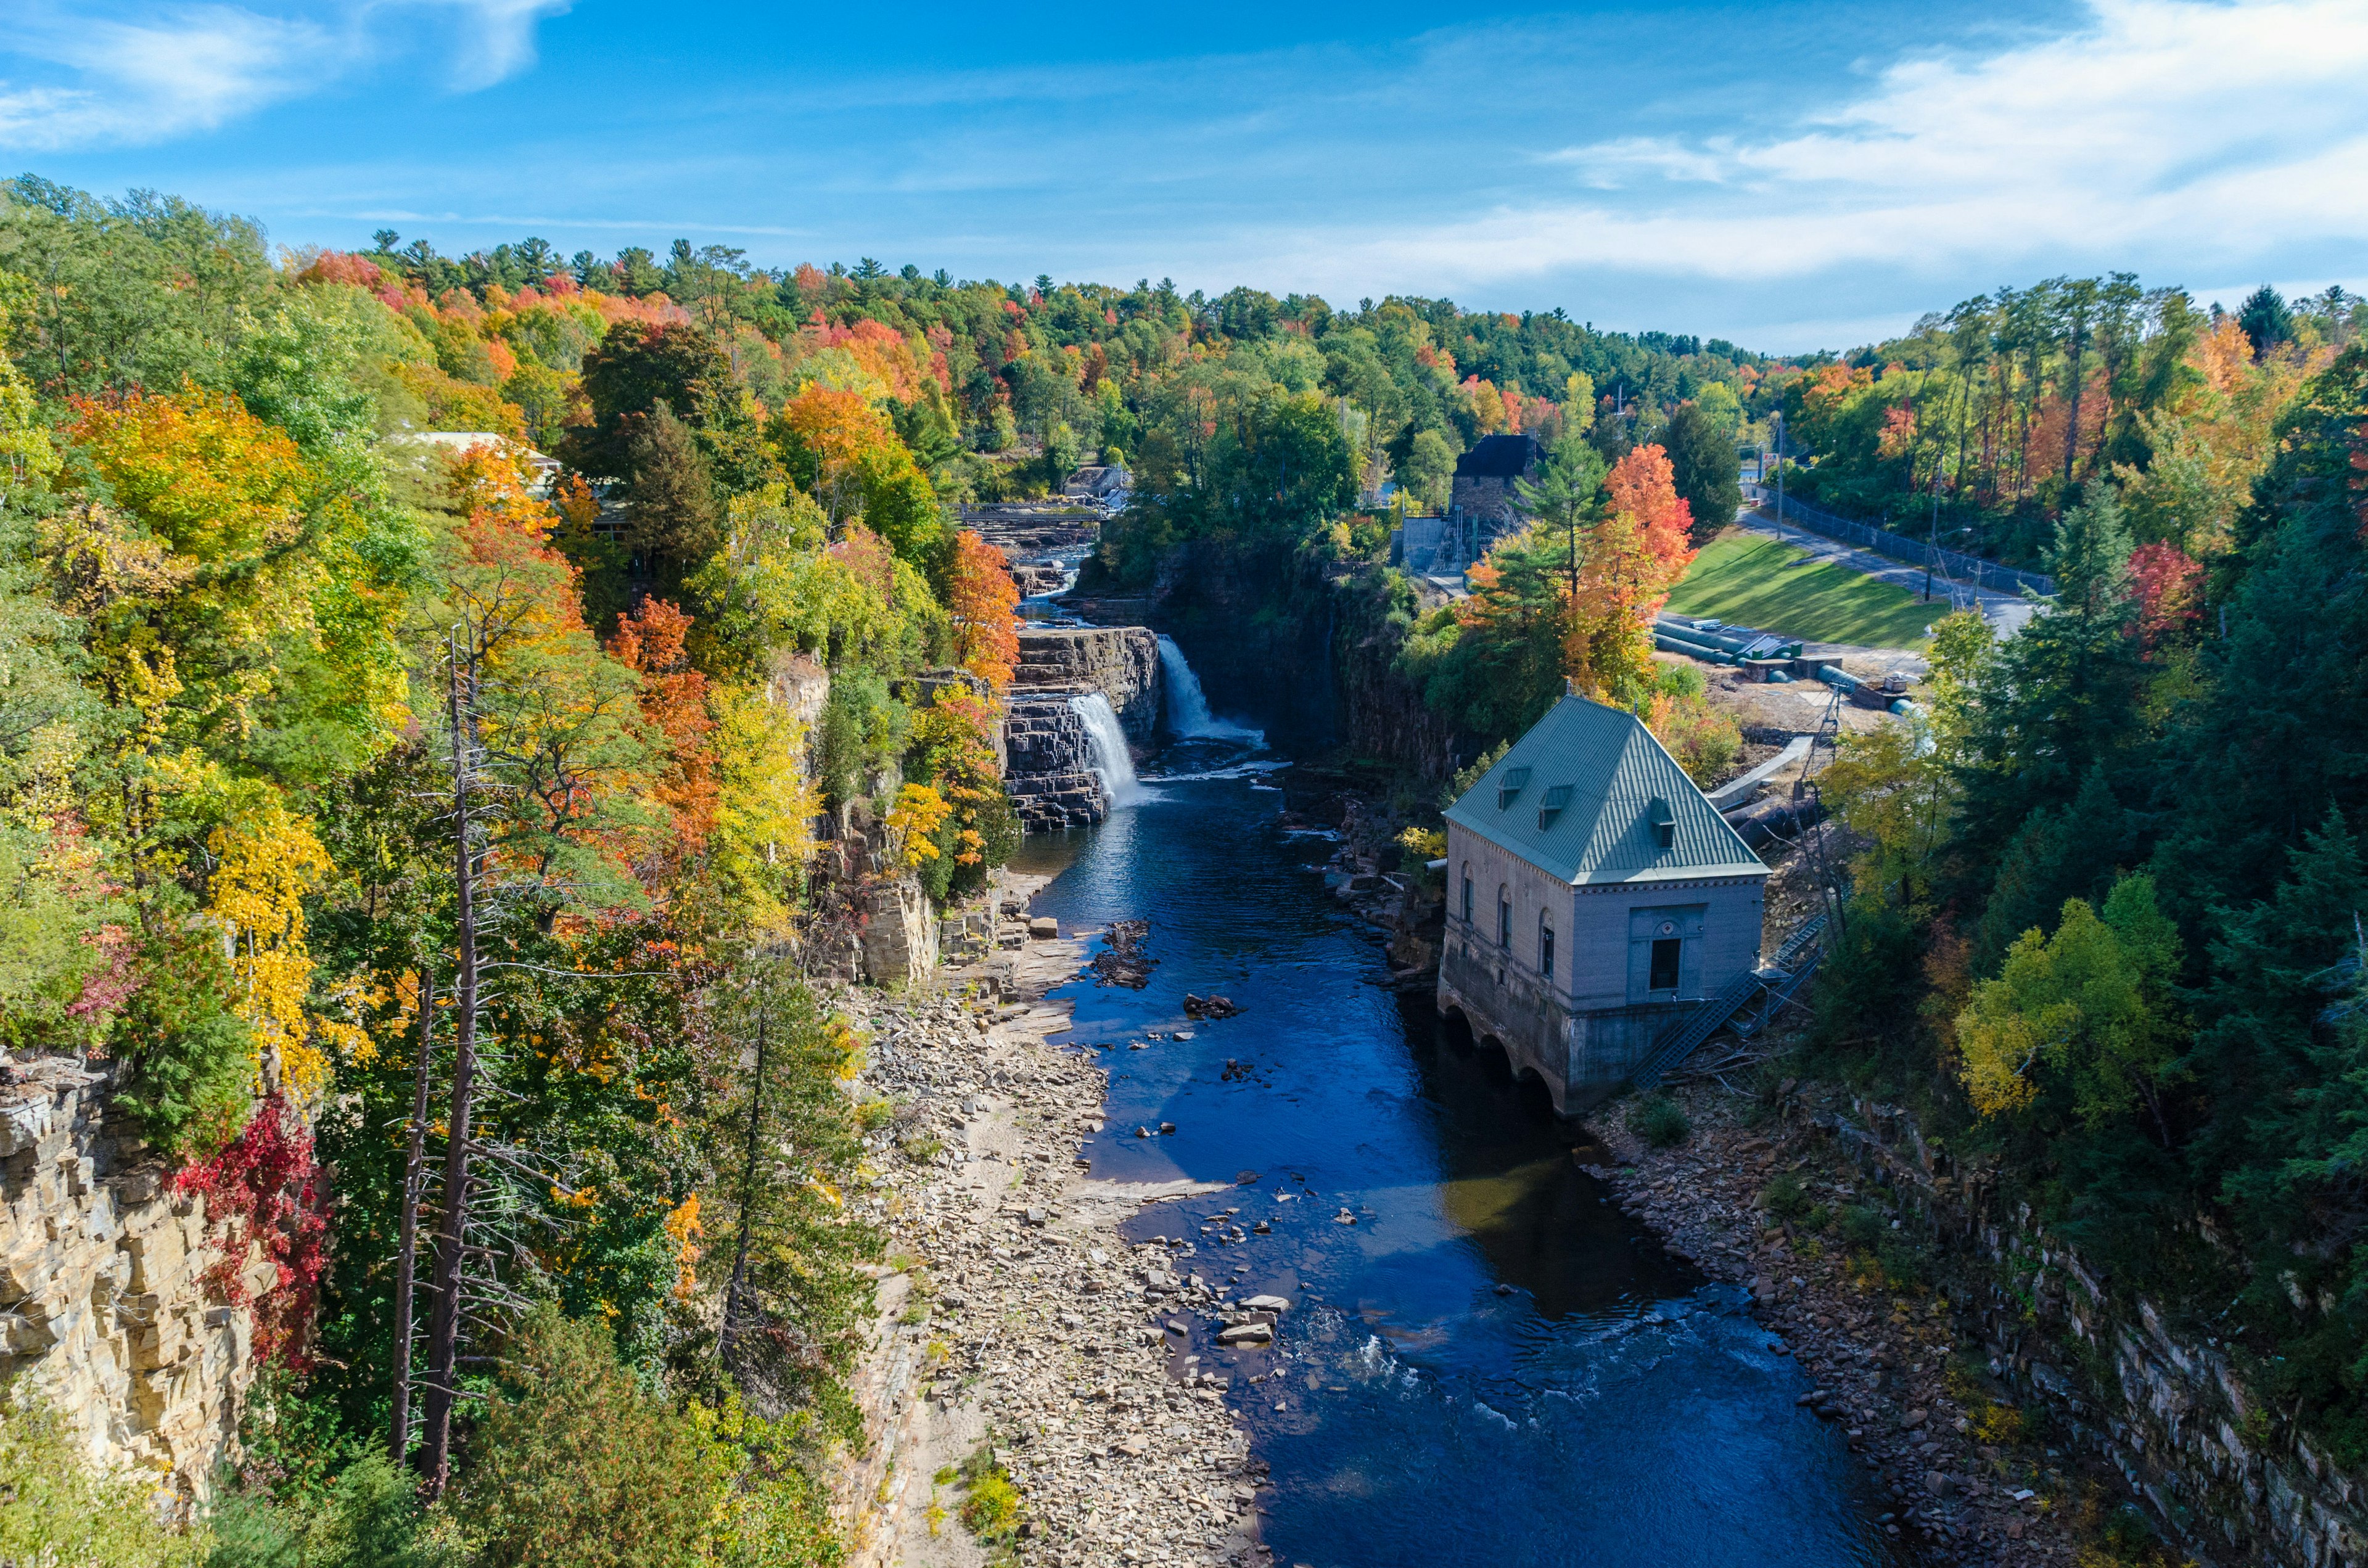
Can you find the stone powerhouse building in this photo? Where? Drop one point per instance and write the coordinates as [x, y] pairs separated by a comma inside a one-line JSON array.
[[1594, 895]]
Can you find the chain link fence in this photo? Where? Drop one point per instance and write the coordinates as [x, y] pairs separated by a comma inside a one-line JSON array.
[[1897, 547]]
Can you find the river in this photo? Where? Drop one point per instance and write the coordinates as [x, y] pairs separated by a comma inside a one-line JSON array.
[[1491, 1365]]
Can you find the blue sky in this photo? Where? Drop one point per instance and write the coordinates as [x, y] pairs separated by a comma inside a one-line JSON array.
[[1787, 176]]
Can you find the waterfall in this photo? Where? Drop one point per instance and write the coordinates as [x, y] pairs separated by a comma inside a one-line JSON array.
[[1111, 762], [1188, 707]]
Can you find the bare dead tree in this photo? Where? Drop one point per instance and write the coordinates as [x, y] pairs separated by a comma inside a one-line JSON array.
[[732, 1293], [443, 1333], [407, 1248]]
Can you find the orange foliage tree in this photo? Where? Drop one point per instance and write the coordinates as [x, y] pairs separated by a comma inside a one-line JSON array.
[[561, 721], [981, 597], [1633, 556], [844, 452], [650, 641]]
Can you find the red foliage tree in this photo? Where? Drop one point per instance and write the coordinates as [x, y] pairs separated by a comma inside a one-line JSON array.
[[265, 1191], [2168, 585]]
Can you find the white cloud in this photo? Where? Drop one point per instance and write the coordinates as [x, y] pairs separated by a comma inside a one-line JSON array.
[[2218, 131], [73, 77], [172, 73], [493, 39]]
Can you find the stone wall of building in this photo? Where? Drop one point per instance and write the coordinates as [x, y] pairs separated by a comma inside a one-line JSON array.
[[2165, 1403], [114, 1306], [1487, 499], [1119, 662]]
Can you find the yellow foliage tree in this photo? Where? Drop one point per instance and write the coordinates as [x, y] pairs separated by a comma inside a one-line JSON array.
[[264, 862], [2087, 1012], [919, 814]]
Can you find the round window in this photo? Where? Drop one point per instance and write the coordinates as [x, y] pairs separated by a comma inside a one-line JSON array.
[[1668, 927]]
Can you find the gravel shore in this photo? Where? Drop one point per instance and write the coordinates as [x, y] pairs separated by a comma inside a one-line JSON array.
[[1015, 1320]]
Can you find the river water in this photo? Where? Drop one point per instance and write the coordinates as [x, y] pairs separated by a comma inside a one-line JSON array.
[[1491, 1365]]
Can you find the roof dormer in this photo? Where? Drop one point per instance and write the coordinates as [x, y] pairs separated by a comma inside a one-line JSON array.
[[1511, 784]]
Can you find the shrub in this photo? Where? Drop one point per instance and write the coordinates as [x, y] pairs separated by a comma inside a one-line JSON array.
[[1657, 1120], [578, 1466], [55, 1509], [1863, 1226], [1785, 1196], [369, 1518], [991, 1511]]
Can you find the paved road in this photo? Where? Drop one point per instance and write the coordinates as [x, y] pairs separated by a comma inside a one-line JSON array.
[[2006, 612]]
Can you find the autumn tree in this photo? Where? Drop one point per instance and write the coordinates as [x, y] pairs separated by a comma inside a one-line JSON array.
[[651, 641], [845, 453], [2086, 1016], [981, 599]]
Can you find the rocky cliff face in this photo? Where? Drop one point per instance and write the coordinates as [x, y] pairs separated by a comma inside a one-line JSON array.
[[2163, 1402], [1382, 713], [1049, 766], [114, 1291], [1308, 647], [1119, 662]]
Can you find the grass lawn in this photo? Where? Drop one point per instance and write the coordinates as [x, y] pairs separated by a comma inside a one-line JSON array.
[[1754, 581]]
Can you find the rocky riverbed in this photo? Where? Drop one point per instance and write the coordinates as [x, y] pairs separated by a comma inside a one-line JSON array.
[[1015, 1322], [1887, 1357]]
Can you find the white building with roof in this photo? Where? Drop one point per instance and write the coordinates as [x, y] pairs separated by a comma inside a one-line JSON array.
[[1594, 898]]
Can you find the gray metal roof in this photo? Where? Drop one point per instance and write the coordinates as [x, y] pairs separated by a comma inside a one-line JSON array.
[[1617, 775]]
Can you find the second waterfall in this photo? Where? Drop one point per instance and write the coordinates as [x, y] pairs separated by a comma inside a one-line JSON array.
[[1188, 707], [1111, 760]]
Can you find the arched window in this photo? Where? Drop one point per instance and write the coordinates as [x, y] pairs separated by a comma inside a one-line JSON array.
[[1545, 946], [1467, 892], [1504, 918]]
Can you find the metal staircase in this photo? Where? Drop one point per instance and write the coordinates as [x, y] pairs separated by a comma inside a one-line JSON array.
[[1751, 1001], [1757, 997], [1692, 1027]]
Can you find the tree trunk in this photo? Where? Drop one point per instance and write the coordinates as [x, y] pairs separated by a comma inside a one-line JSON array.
[[407, 1250], [747, 1202], [444, 1327]]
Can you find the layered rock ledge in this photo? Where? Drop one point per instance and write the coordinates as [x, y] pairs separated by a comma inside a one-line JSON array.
[[1119, 662]]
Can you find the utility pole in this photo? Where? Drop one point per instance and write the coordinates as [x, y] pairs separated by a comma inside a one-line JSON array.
[[1932, 556], [1779, 417], [444, 1326]]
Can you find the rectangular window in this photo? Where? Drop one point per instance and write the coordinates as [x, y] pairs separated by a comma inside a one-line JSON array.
[[1545, 952], [1505, 924], [1468, 901], [1666, 953]]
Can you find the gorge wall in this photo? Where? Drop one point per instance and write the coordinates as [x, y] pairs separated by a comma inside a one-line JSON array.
[[2164, 1402], [118, 1305], [1306, 646]]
